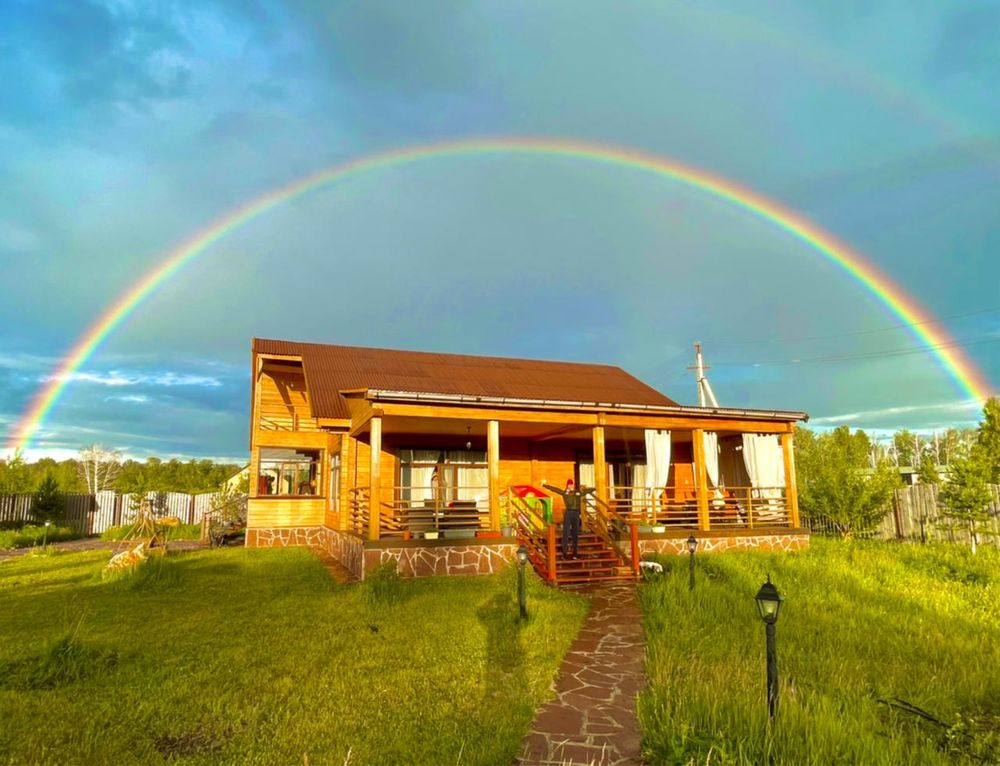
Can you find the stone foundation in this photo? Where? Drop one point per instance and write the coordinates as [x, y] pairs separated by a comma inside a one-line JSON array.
[[348, 549], [284, 537], [424, 561], [794, 541]]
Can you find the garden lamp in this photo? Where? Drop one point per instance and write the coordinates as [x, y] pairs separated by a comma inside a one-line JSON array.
[[692, 546], [522, 560], [45, 541], [769, 604]]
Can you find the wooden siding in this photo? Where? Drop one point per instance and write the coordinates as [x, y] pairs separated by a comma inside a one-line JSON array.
[[265, 512], [283, 402]]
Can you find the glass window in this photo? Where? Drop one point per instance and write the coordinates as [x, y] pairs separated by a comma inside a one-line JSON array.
[[289, 471], [335, 483]]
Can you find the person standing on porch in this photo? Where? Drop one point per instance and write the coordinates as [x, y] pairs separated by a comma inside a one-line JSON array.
[[572, 498]]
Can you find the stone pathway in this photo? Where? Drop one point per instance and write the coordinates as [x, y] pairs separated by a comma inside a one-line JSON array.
[[592, 720]]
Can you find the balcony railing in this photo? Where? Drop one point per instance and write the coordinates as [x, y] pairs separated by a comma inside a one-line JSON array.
[[437, 513]]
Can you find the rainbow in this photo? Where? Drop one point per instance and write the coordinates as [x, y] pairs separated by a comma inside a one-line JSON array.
[[969, 379]]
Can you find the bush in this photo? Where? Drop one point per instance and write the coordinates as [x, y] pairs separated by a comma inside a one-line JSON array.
[[49, 503], [31, 535]]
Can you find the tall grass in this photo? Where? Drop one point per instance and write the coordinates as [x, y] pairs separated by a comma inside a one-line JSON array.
[[870, 636], [179, 532], [256, 656]]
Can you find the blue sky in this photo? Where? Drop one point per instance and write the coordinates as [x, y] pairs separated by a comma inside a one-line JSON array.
[[125, 127]]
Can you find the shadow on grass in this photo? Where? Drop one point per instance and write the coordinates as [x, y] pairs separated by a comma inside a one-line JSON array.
[[506, 676]]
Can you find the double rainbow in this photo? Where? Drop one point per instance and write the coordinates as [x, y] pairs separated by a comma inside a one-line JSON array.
[[969, 379]]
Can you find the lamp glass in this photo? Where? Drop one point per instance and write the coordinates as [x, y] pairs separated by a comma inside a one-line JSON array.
[[522, 555], [692, 544], [768, 602]]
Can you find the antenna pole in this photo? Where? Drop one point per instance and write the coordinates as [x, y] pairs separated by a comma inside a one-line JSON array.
[[705, 392]]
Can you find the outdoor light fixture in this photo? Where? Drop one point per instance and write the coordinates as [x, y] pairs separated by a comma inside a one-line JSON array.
[[522, 560], [45, 536], [692, 546], [769, 604], [468, 435]]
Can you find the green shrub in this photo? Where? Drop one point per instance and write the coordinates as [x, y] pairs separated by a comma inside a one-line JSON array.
[[383, 585], [30, 535]]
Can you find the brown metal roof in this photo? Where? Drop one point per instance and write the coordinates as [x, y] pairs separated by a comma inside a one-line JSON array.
[[332, 369]]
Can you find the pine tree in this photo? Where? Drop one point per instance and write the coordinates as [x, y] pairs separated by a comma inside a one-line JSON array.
[[49, 503], [989, 438]]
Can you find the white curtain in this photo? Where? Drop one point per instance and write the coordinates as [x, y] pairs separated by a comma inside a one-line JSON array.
[[765, 464], [711, 442], [586, 473], [657, 467], [420, 480], [473, 484]]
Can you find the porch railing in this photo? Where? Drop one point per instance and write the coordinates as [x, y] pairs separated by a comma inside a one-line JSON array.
[[728, 507], [359, 510], [430, 512]]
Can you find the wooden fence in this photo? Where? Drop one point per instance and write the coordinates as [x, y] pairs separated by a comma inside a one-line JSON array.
[[93, 514], [916, 515]]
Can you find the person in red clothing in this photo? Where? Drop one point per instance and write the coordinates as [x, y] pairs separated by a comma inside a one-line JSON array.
[[573, 499]]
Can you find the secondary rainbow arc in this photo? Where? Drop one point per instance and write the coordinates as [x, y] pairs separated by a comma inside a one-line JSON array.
[[968, 378]]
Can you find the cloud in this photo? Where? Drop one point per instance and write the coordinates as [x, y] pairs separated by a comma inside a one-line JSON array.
[[948, 412], [117, 378], [131, 399]]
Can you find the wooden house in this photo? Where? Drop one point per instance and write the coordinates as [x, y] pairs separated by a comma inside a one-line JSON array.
[[437, 462]]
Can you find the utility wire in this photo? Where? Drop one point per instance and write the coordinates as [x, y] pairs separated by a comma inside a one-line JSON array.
[[865, 355], [891, 328]]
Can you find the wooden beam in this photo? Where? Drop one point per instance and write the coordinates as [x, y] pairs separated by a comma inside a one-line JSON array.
[[556, 433], [465, 412], [701, 478], [358, 424], [791, 488], [600, 464], [375, 485], [493, 462]]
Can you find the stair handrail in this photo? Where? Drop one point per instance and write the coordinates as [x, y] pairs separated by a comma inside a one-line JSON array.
[[605, 516], [533, 532]]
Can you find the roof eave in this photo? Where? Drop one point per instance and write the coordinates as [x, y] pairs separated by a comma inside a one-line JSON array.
[[416, 397]]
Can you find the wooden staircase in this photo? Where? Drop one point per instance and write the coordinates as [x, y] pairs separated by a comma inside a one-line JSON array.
[[596, 562]]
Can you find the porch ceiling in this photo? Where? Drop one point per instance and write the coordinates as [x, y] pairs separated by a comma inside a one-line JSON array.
[[396, 424]]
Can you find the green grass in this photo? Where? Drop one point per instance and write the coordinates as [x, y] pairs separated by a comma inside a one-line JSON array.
[[256, 656], [180, 532], [32, 535], [863, 625]]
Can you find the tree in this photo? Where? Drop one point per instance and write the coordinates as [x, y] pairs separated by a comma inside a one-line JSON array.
[[99, 467], [928, 473], [989, 438], [49, 503], [836, 483], [966, 497], [909, 447], [15, 476]]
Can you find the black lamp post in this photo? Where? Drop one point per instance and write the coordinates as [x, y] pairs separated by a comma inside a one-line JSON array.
[[692, 546], [522, 560], [769, 604]]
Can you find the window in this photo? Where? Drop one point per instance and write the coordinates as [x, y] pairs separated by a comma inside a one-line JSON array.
[[444, 476], [288, 471], [335, 483]]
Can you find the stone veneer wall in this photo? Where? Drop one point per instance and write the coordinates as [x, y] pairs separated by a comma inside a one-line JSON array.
[[284, 537], [795, 541], [424, 561], [348, 549]]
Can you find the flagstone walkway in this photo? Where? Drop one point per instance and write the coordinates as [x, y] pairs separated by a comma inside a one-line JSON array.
[[592, 720]]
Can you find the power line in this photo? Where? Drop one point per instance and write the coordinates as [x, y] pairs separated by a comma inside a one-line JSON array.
[[891, 328], [864, 355]]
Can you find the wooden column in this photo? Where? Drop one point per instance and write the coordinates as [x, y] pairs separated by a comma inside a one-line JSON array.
[[493, 462], [791, 490], [375, 485], [600, 464], [701, 478]]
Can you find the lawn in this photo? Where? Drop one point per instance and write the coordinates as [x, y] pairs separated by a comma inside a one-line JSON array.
[[866, 630], [35, 535], [256, 656]]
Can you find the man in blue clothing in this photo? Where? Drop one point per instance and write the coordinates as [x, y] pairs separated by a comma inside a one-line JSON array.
[[573, 499]]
